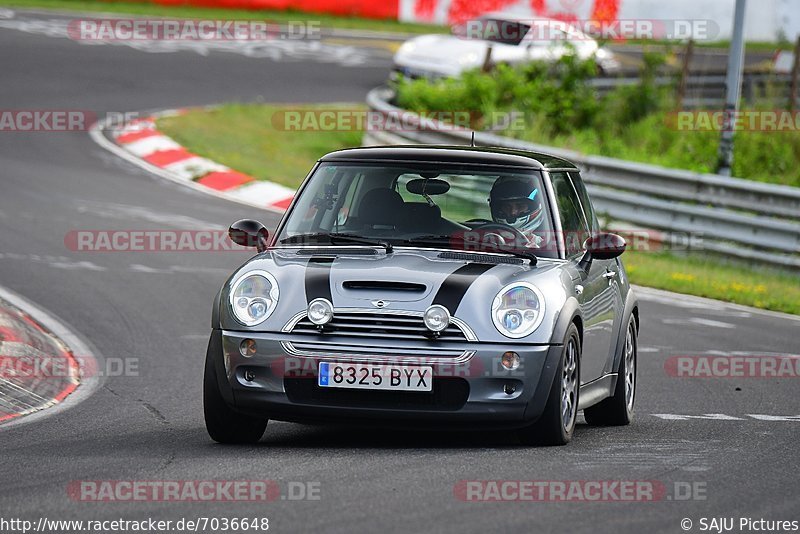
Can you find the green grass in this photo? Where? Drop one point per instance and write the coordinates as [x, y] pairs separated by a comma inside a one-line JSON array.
[[140, 8], [558, 107], [771, 157], [244, 137], [695, 274]]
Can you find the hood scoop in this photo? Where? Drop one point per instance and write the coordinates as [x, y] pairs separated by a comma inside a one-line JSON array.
[[480, 258], [380, 285]]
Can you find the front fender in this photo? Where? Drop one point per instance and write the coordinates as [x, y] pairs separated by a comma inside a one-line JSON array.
[[566, 316], [215, 320]]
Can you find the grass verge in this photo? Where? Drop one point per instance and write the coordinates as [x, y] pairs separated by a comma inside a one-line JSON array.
[[140, 8], [244, 137], [250, 138], [695, 274]]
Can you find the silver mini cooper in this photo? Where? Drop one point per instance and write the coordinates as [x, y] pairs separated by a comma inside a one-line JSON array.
[[427, 286]]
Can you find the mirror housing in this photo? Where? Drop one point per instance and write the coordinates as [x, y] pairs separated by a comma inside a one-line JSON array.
[[601, 246], [605, 245], [249, 233]]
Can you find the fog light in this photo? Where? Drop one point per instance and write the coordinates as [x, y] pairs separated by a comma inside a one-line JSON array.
[[509, 389], [320, 311], [436, 318], [247, 348], [510, 360], [249, 376]]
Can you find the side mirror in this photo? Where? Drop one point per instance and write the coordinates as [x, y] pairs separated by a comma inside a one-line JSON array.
[[601, 246], [249, 233], [605, 245]]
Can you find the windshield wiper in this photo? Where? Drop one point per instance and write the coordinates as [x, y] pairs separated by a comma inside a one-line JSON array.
[[342, 238], [439, 239]]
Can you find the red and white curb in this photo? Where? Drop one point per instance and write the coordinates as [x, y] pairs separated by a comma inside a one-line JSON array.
[[42, 363], [141, 143]]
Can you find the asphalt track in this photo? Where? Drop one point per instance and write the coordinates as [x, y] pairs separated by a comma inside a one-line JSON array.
[[154, 308]]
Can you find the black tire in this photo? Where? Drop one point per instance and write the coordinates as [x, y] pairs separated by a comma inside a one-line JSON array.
[[223, 424], [551, 428], [618, 409]]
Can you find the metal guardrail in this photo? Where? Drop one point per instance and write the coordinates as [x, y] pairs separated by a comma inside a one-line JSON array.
[[737, 218], [708, 90]]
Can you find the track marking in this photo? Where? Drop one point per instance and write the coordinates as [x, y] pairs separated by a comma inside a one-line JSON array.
[[86, 358], [724, 417], [690, 301], [698, 321]]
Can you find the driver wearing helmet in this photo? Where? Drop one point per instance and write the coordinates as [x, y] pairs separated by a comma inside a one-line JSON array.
[[518, 204]]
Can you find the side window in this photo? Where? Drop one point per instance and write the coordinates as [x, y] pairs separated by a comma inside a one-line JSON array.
[[588, 209], [573, 224]]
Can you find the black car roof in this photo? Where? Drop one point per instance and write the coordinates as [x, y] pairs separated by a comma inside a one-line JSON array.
[[452, 154]]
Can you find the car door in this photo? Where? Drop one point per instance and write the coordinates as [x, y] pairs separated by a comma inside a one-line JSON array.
[[596, 290]]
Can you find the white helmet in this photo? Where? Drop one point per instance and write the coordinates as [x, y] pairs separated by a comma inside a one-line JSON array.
[[516, 203]]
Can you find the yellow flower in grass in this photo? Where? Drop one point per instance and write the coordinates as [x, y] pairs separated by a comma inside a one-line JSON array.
[[739, 288], [683, 277], [720, 287]]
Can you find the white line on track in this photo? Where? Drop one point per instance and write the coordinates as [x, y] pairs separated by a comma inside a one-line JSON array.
[[690, 301]]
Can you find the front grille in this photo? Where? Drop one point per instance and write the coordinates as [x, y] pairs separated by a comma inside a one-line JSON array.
[[378, 326], [327, 348], [449, 394]]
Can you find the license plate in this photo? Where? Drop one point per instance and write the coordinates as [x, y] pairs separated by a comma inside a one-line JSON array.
[[374, 376]]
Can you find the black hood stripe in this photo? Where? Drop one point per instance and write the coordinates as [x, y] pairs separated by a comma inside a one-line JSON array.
[[318, 278], [455, 286]]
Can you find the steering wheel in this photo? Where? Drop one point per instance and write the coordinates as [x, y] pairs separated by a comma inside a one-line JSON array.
[[487, 226]]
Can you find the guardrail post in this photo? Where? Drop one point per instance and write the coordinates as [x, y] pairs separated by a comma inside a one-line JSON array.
[[732, 90], [795, 74], [687, 58]]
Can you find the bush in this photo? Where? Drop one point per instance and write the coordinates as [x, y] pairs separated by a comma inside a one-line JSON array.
[[560, 108]]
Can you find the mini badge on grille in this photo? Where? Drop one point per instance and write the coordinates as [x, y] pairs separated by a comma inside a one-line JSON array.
[[380, 303]]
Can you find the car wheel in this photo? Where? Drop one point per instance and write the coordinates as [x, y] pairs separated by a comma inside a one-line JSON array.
[[223, 424], [618, 409], [557, 422]]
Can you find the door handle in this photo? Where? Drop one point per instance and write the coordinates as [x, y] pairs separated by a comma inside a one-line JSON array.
[[609, 275]]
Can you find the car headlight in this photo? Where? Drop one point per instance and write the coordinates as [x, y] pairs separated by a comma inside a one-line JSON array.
[[254, 297], [406, 48], [518, 309]]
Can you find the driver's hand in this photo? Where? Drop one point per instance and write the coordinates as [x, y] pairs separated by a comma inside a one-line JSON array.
[[535, 241]]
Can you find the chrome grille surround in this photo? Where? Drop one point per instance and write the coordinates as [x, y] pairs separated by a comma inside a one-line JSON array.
[[378, 325]]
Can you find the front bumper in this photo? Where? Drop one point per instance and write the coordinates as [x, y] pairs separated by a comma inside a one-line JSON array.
[[281, 384]]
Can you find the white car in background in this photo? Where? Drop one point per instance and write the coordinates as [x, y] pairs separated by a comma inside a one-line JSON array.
[[513, 40]]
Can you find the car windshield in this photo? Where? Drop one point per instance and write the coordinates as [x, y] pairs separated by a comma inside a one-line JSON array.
[[494, 30], [458, 207]]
